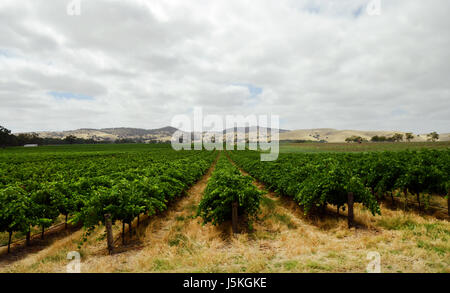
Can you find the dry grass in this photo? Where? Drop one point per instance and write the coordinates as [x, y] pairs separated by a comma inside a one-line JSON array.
[[282, 240]]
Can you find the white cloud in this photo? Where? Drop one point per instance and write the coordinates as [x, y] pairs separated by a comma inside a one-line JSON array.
[[319, 63]]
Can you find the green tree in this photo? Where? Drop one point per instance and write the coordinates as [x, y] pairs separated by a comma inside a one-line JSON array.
[[397, 137], [5, 136], [433, 136], [71, 139], [355, 138], [377, 138], [409, 136]]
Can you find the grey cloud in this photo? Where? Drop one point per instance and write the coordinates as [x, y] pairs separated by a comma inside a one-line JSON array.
[[63, 83]]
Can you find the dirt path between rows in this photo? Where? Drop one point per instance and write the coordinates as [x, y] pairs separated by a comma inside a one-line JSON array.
[[20, 250], [283, 206], [167, 236], [184, 211]]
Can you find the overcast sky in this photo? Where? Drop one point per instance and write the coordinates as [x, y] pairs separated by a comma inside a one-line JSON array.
[[317, 64]]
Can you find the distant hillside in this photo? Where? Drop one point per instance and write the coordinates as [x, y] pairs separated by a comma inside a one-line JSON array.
[[138, 132], [165, 134], [111, 134], [334, 135], [252, 129]]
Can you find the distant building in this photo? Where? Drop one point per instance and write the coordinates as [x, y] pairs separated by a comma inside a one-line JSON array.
[[30, 145]]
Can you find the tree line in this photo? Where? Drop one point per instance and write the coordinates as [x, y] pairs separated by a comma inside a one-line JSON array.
[[397, 137], [9, 139]]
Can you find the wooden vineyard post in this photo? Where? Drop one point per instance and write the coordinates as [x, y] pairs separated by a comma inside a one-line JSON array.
[[9, 241], [418, 200], [65, 224], [405, 192], [448, 202], [123, 233], [324, 208], [378, 197], [234, 216], [350, 215], [109, 233], [42, 233], [28, 238]]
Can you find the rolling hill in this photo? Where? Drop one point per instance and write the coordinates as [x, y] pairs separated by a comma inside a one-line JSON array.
[[165, 134], [334, 135]]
